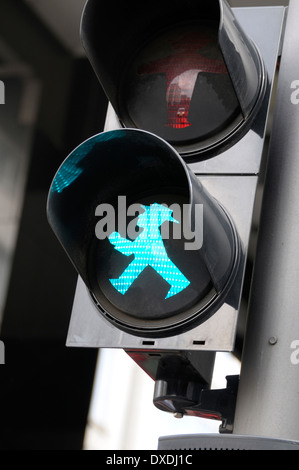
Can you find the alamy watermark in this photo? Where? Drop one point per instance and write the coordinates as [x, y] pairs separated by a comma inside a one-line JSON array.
[[2, 353], [294, 357], [133, 219], [295, 93], [2, 92]]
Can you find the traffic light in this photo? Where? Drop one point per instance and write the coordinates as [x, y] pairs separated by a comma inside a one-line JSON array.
[[156, 212], [156, 251]]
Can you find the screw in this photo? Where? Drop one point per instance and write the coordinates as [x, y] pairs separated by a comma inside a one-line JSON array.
[[273, 340]]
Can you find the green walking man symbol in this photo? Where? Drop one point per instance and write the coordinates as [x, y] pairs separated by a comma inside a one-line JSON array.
[[149, 250]]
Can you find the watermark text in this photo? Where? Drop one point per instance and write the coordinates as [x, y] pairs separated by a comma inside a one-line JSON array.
[[2, 353], [295, 93], [175, 460], [294, 357], [2, 92], [128, 221]]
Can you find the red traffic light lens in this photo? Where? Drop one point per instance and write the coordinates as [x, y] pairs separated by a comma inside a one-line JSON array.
[[178, 87]]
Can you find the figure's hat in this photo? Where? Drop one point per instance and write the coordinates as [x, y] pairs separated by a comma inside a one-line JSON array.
[[156, 211]]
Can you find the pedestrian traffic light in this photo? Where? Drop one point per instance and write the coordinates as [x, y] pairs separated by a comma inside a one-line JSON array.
[[145, 275], [156, 211]]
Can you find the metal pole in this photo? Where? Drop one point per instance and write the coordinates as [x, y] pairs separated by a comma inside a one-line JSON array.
[[268, 397]]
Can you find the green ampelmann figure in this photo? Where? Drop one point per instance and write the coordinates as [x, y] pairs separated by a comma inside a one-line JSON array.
[[149, 250]]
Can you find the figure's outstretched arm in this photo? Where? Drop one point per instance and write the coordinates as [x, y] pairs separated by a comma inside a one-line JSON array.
[[121, 244]]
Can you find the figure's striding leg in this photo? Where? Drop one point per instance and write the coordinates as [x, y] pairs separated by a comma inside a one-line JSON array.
[[129, 275], [170, 273]]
